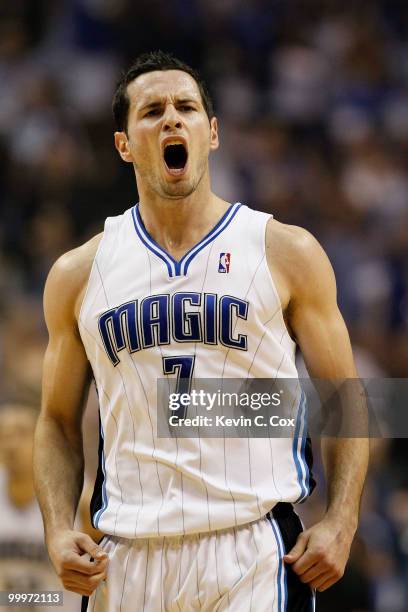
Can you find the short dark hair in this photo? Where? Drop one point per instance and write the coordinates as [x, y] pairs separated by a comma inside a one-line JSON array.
[[149, 62]]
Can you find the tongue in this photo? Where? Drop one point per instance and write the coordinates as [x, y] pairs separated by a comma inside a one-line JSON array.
[[175, 157]]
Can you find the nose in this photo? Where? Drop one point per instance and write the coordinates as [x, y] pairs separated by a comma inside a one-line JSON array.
[[171, 118]]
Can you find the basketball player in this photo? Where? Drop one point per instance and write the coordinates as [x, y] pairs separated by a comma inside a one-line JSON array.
[[185, 284]]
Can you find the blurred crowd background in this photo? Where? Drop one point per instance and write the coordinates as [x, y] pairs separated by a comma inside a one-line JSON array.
[[312, 100]]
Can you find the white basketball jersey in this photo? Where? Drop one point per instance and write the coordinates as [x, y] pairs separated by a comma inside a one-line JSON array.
[[217, 312]]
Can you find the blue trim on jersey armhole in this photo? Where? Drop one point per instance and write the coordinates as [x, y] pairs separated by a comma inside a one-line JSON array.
[[99, 513], [299, 458], [175, 267]]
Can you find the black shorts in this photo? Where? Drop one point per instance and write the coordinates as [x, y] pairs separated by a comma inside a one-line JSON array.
[[300, 598]]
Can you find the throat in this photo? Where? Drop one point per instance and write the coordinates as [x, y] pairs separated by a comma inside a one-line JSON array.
[[176, 246], [177, 228]]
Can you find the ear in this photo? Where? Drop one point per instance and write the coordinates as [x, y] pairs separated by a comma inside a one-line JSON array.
[[122, 146], [214, 143]]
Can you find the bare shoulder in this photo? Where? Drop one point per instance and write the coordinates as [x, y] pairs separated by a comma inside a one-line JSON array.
[[68, 278], [297, 260]]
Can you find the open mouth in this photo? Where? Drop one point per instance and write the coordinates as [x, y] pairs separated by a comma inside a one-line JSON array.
[[175, 156]]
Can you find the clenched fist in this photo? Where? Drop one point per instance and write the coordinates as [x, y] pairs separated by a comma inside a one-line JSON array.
[[71, 553], [320, 554]]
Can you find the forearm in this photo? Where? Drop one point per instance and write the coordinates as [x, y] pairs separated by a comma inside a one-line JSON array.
[[58, 473], [345, 461]]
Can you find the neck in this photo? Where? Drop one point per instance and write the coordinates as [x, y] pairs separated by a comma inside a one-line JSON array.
[[178, 224]]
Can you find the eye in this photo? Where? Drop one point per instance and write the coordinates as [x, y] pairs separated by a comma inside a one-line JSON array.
[[186, 108], [153, 112]]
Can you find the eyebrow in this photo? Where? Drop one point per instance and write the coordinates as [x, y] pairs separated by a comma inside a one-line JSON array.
[[157, 103]]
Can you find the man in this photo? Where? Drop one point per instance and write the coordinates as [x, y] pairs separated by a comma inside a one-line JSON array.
[[185, 284]]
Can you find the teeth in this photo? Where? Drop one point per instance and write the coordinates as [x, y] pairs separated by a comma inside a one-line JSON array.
[[175, 142]]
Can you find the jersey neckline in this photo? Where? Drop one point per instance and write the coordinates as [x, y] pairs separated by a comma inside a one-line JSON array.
[[174, 267]]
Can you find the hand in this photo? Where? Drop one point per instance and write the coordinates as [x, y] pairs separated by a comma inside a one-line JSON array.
[[67, 550], [320, 554]]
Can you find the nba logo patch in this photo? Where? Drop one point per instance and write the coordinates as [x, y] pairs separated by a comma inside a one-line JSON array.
[[224, 263]]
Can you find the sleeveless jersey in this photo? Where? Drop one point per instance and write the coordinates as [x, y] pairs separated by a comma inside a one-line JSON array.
[[217, 312]]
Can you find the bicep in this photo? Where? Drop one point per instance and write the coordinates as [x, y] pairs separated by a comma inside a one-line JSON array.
[[66, 379], [66, 370], [324, 341], [316, 320]]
